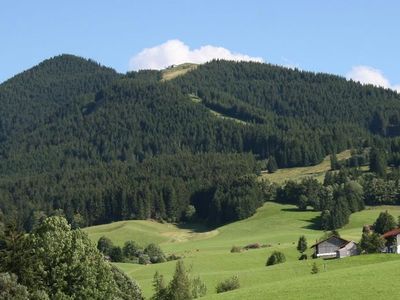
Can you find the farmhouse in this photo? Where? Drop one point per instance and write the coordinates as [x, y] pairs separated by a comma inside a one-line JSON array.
[[392, 238], [335, 247]]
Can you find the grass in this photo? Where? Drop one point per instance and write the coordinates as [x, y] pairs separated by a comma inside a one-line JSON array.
[[179, 70], [317, 171], [279, 226], [196, 99]]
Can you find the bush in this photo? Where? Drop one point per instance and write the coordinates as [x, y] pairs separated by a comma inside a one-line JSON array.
[[155, 253], [236, 249], [276, 258], [314, 269], [252, 246], [303, 256], [104, 245], [131, 250], [116, 254], [228, 284], [173, 257], [144, 259]]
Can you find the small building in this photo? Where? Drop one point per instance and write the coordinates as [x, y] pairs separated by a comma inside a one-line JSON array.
[[335, 247], [392, 238]]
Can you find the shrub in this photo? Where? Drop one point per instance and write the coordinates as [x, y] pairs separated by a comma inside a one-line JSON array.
[[276, 258], [303, 256], [116, 254], [131, 250], [236, 249], [104, 245], [314, 269], [252, 246], [144, 259], [173, 257], [228, 284], [155, 253], [199, 288]]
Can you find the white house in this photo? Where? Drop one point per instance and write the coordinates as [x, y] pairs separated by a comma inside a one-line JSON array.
[[392, 238]]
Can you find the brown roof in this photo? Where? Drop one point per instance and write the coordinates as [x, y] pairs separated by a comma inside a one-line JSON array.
[[345, 242], [391, 233]]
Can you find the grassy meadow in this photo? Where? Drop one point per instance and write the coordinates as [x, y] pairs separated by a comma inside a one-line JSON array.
[[179, 70], [207, 253], [298, 173]]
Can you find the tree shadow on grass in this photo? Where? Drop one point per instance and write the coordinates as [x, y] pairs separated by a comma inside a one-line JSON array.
[[314, 223], [295, 209], [195, 227]]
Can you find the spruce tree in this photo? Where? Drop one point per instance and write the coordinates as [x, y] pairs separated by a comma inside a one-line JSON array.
[[180, 287], [384, 223], [272, 166], [377, 162], [302, 244], [334, 161]]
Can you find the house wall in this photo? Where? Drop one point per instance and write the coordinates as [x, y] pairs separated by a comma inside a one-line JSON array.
[[349, 250], [398, 244], [329, 247]]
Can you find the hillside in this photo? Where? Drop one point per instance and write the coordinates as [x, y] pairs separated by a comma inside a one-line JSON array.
[[276, 225], [99, 146]]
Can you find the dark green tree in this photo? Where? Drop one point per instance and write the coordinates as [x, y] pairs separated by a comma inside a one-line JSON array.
[[334, 161], [131, 249], [384, 223], [155, 253], [105, 245], [302, 244], [377, 162], [371, 243], [180, 286], [116, 254], [272, 166]]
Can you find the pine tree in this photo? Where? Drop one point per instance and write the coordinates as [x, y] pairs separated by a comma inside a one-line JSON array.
[[314, 269], [180, 287], [334, 161], [302, 244], [377, 162], [272, 166]]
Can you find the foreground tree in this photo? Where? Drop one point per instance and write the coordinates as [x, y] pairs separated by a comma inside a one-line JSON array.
[[181, 287], [60, 263], [11, 289]]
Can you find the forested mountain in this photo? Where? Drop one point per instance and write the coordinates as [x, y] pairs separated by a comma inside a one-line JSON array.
[[78, 138]]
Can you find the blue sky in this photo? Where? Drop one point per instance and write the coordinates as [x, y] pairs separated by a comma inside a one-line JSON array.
[[325, 36]]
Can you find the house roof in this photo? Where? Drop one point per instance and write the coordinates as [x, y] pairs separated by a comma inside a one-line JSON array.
[[391, 233], [345, 242]]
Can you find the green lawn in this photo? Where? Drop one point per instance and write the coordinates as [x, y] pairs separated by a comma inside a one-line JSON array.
[[208, 254]]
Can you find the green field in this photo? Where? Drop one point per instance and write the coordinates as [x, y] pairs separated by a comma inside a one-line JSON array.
[[279, 226], [317, 171], [179, 70], [216, 114]]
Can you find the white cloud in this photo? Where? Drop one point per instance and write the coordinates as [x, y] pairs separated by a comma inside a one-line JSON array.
[[369, 75], [175, 52]]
